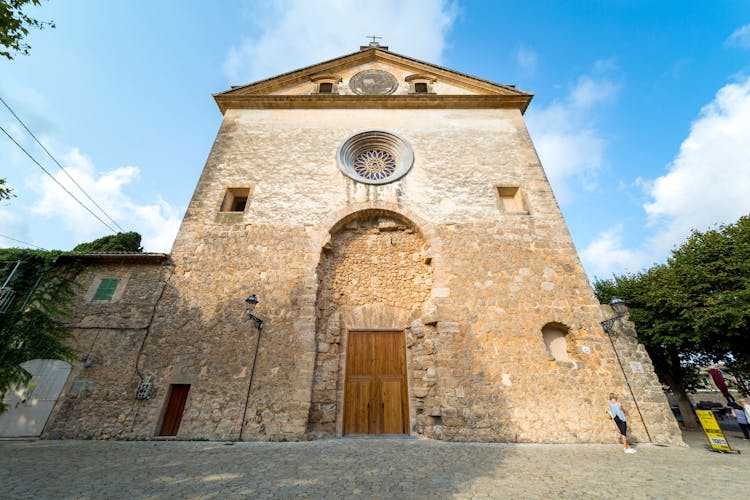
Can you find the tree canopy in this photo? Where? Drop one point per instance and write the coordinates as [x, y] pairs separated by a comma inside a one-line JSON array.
[[120, 242], [695, 308], [15, 25]]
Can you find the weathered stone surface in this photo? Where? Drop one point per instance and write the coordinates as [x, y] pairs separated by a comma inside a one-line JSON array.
[[436, 254]]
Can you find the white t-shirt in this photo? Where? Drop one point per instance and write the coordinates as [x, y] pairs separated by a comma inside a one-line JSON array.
[[616, 411]]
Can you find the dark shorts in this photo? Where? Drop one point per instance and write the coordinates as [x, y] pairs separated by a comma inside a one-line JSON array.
[[622, 425]]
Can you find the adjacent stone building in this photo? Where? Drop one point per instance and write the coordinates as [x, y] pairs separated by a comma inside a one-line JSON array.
[[413, 271]]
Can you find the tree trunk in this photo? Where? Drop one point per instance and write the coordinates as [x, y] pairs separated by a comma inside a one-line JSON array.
[[674, 381]]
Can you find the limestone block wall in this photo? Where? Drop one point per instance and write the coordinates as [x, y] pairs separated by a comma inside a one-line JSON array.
[[99, 401], [436, 254], [498, 379], [646, 398], [478, 365], [206, 340]]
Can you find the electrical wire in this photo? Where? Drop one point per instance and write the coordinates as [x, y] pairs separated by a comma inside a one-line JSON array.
[[58, 182], [58, 164], [20, 241]]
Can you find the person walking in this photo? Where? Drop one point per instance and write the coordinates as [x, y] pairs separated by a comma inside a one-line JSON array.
[[618, 415], [740, 412]]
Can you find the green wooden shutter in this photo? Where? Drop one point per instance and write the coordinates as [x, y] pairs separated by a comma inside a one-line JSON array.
[[106, 289]]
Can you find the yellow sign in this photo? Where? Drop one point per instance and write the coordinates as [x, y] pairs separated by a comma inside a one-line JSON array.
[[713, 432]]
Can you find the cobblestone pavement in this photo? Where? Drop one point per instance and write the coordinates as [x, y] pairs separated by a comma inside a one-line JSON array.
[[370, 468]]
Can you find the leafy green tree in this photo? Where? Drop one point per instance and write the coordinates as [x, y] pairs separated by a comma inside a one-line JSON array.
[[33, 326], [694, 309], [654, 303], [5, 192], [120, 242], [15, 25], [713, 269]]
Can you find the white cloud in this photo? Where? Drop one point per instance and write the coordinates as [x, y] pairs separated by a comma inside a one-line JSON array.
[[708, 183], [741, 37], [294, 33], [589, 93], [565, 134], [709, 180], [156, 221], [607, 255], [526, 59], [42, 213]]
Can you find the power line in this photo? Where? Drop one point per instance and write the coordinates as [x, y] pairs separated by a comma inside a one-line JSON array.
[[20, 241], [58, 182], [58, 164]]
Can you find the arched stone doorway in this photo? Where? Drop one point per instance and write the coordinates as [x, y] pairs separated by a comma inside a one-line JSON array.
[[374, 285]]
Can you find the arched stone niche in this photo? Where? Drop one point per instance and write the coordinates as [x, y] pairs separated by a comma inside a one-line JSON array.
[[374, 273], [555, 336]]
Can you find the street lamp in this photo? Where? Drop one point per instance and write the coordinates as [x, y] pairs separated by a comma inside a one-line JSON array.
[[252, 301], [620, 308]]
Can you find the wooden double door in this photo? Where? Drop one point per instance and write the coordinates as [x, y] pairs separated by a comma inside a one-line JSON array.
[[375, 390]]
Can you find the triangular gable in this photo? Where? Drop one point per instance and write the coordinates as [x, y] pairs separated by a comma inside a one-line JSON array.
[[278, 91]]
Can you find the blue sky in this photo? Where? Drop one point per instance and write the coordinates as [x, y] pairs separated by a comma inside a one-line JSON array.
[[641, 112]]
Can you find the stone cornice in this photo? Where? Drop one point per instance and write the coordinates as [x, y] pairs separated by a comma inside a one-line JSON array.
[[317, 101]]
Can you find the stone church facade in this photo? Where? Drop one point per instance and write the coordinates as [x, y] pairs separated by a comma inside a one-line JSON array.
[[413, 270]]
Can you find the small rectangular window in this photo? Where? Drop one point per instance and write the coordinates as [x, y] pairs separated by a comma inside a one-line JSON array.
[[106, 289], [235, 200], [420, 88], [325, 88], [511, 200], [238, 205]]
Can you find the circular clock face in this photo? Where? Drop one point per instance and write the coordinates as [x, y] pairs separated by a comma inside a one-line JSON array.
[[373, 82]]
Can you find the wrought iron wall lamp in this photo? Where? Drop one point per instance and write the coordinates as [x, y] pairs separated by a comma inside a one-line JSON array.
[[620, 308], [252, 301]]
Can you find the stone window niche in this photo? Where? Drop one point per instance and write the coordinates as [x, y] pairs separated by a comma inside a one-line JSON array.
[[235, 200], [233, 204], [420, 83], [326, 84], [510, 200], [555, 337]]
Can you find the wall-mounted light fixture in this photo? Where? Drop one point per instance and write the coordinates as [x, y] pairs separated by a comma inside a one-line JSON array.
[[620, 308], [252, 301]]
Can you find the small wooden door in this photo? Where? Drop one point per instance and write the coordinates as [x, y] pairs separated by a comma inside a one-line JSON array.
[[170, 423], [375, 392]]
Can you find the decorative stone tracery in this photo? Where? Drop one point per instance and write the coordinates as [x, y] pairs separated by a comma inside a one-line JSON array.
[[375, 157]]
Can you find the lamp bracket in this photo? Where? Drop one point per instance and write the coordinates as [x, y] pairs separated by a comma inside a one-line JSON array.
[[607, 324], [256, 320]]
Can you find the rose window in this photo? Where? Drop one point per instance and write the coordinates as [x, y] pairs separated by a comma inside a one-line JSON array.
[[375, 157], [375, 164]]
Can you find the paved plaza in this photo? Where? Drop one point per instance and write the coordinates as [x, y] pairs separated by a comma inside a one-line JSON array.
[[368, 468]]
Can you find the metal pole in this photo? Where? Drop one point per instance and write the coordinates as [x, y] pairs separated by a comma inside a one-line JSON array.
[[18, 263], [635, 401], [259, 326]]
